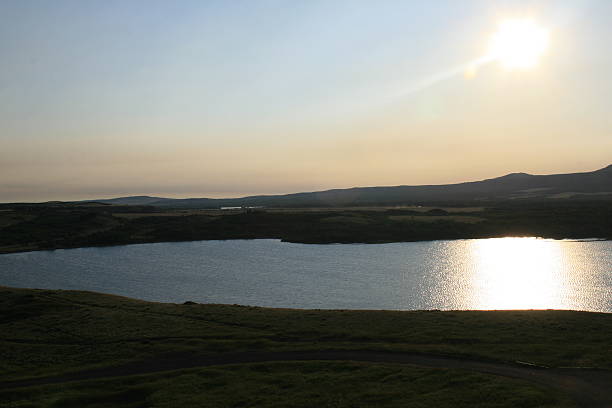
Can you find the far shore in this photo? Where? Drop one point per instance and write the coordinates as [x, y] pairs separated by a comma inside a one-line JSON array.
[[26, 228], [25, 249]]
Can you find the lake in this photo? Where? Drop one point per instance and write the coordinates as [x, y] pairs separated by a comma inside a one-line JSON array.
[[500, 273]]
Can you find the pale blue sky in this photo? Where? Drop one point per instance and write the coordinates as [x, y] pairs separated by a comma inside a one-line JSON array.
[[225, 98]]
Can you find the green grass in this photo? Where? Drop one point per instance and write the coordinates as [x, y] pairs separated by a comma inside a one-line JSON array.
[[290, 384], [422, 218], [26, 227], [349, 218], [45, 332]]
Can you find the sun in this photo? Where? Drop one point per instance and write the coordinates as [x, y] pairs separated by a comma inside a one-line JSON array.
[[518, 43]]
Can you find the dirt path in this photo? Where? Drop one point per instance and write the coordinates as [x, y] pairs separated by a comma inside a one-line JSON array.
[[590, 388]]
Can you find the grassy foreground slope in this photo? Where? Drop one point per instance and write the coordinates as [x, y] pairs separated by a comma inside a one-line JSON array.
[[45, 333], [295, 384]]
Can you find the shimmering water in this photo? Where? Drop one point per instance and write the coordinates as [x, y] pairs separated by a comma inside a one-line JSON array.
[[505, 273]]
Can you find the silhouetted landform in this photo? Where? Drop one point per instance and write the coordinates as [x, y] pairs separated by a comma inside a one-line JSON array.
[[27, 227], [84, 349], [557, 206], [516, 186]]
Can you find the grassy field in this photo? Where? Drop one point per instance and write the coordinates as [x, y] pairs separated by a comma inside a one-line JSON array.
[[45, 333], [26, 227], [303, 384], [436, 218]]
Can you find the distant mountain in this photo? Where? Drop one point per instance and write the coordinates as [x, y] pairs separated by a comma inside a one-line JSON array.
[[132, 200], [515, 186]]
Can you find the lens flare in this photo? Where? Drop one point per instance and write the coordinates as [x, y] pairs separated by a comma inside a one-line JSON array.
[[518, 43]]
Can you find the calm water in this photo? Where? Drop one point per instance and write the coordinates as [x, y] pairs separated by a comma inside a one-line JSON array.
[[506, 273]]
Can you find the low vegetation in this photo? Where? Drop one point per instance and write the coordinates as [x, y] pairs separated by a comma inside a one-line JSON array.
[[290, 384], [45, 333], [26, 227]]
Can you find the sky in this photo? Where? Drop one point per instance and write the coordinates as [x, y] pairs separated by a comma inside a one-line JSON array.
[[194, 98]]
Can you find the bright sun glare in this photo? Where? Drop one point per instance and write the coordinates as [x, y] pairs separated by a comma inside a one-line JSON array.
[[518, 43]]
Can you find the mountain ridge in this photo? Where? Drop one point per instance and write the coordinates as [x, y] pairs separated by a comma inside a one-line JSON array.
[[595, 184]]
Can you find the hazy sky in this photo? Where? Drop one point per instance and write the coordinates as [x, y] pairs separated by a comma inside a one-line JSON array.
[[227, 98]]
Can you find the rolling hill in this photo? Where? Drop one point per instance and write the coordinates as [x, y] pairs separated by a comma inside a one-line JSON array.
[[515, 186]]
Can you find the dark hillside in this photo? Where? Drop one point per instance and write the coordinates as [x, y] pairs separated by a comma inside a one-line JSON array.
[[516, 186]]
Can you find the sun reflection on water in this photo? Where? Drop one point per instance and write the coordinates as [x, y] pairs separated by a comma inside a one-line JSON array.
[[517, 273]]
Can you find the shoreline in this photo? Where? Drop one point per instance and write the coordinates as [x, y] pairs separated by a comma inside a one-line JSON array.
[[66, 343], [7, 251], [297, 309], [25, 229]]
